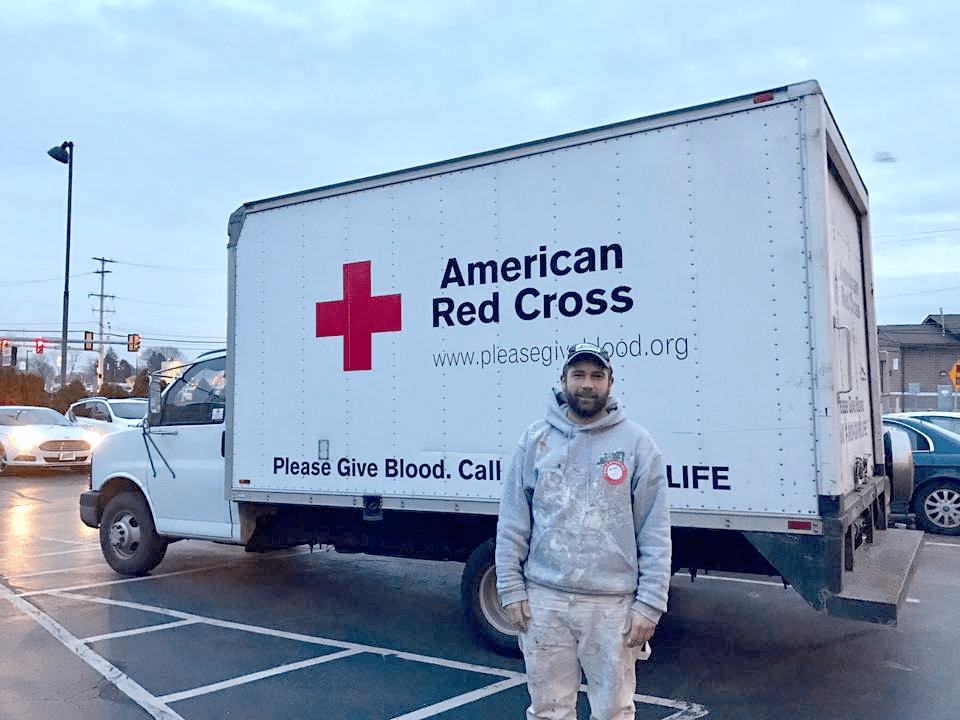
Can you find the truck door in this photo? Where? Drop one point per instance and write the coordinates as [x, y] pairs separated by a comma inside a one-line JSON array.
[[186, 443]]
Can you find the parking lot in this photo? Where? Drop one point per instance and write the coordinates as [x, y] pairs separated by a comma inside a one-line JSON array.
[[216, 632]]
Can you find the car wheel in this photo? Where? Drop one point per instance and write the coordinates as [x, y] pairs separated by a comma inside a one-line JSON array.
[[3, 460], [481, 604], [128, 539], [938, 507]]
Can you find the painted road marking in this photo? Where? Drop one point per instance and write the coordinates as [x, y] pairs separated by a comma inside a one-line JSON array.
[[55, 572], [252, 677], [684, 710], [66, 542], [109, 671], [153, 576], [63, 552], [135, 631], [740, 580]]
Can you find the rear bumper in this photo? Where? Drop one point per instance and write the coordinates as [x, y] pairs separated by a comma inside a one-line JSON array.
[[857, 568], [90, 508], [877, 587]]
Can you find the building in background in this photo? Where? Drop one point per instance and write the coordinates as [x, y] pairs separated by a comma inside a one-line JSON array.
[[919, 364]]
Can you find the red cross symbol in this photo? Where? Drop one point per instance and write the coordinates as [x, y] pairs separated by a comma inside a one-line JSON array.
[[358, 316]]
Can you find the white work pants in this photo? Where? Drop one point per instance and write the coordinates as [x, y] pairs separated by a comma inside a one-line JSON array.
[[570, 631]]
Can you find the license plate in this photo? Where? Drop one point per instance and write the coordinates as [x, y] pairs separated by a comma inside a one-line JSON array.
[[68, 456]]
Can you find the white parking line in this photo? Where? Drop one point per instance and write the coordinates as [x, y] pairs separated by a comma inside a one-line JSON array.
[[63, 552], [54, 572], [942, 544], [464, 699], [154, 576], [685, 710], [748, 581], [123, 581], [136, 631], [243, 679], [109, 671], [66, 542]]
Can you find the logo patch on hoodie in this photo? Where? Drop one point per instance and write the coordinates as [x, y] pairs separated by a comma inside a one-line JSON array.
[[614, 472]]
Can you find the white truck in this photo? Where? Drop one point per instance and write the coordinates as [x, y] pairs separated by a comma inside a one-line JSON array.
[[390, 338]]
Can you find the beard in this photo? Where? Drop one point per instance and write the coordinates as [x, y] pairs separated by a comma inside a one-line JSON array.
[[587, 405]]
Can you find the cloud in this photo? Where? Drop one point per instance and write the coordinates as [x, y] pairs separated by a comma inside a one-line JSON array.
[[267, 11], [44, 11], [886, 16]]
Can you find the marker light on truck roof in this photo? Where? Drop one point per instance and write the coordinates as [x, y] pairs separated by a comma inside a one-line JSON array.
[[762, 98]]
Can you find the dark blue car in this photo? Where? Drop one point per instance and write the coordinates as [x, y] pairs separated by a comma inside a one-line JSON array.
[[936, 477]]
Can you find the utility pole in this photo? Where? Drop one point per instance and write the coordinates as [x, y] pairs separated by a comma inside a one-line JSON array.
[[102, 272]]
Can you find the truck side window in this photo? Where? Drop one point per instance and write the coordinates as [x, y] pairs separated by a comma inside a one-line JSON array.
[[198, 397]]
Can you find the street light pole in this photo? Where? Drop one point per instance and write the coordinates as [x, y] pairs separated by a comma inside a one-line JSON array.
[[64, 153]]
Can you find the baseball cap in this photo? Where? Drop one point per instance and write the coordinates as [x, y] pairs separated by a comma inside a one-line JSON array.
[[582, 351]]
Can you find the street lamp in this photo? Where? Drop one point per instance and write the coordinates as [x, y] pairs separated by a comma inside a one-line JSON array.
[[64, 153]]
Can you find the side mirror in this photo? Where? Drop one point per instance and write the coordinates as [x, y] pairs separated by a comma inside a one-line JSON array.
[[155, 403]]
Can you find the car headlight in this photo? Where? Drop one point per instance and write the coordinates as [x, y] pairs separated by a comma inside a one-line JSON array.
[[25, 439], [93, 438]]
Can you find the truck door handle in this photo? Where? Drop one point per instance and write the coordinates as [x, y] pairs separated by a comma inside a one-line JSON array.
[[164, 432], [223, 443]]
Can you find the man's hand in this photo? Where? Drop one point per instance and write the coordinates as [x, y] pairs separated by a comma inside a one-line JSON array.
[[639, 629], [519, 614]]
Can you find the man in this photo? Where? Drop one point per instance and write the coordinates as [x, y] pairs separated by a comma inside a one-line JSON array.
[[583, 545]]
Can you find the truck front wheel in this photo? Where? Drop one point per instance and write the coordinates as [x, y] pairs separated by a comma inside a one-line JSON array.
[[481, 604], [128, 539]]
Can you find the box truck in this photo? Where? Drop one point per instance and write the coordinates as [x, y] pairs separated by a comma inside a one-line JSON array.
[[390, 338]]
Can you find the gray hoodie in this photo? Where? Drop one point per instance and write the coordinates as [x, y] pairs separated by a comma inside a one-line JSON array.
[[584, 510]]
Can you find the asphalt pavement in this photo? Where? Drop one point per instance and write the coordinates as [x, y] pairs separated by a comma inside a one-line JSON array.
[[215, 632]]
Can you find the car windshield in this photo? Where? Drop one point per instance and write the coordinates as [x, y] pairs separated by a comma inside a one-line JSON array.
[[31, 416], [130, 409]]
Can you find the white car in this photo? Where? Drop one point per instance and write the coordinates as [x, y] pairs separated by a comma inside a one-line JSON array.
[[39, 437], [102, 415]]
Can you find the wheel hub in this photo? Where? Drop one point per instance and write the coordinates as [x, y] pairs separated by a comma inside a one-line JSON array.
[[490, 603], [943, 508], [125, 535]]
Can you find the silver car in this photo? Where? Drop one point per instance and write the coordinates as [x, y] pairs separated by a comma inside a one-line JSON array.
[[38, 437]]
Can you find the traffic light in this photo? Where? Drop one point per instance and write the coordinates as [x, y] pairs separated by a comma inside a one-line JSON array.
[[133, 342], [38, 345], [88, 339]]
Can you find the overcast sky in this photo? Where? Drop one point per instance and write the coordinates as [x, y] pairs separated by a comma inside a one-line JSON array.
[[182, 111]]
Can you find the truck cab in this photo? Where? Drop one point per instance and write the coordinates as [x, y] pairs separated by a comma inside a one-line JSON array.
[[165, 479]]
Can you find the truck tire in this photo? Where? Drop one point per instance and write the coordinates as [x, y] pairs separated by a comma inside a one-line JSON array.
[[129, 542], [481, 604], [937, 507]]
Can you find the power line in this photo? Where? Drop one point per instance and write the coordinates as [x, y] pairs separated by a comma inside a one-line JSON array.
[[172, 305], [14, 283], [909, 237], [918, 292], [171, 267]]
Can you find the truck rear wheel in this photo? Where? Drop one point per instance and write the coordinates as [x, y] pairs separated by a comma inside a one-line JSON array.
[[481, 604], [128, 539]]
